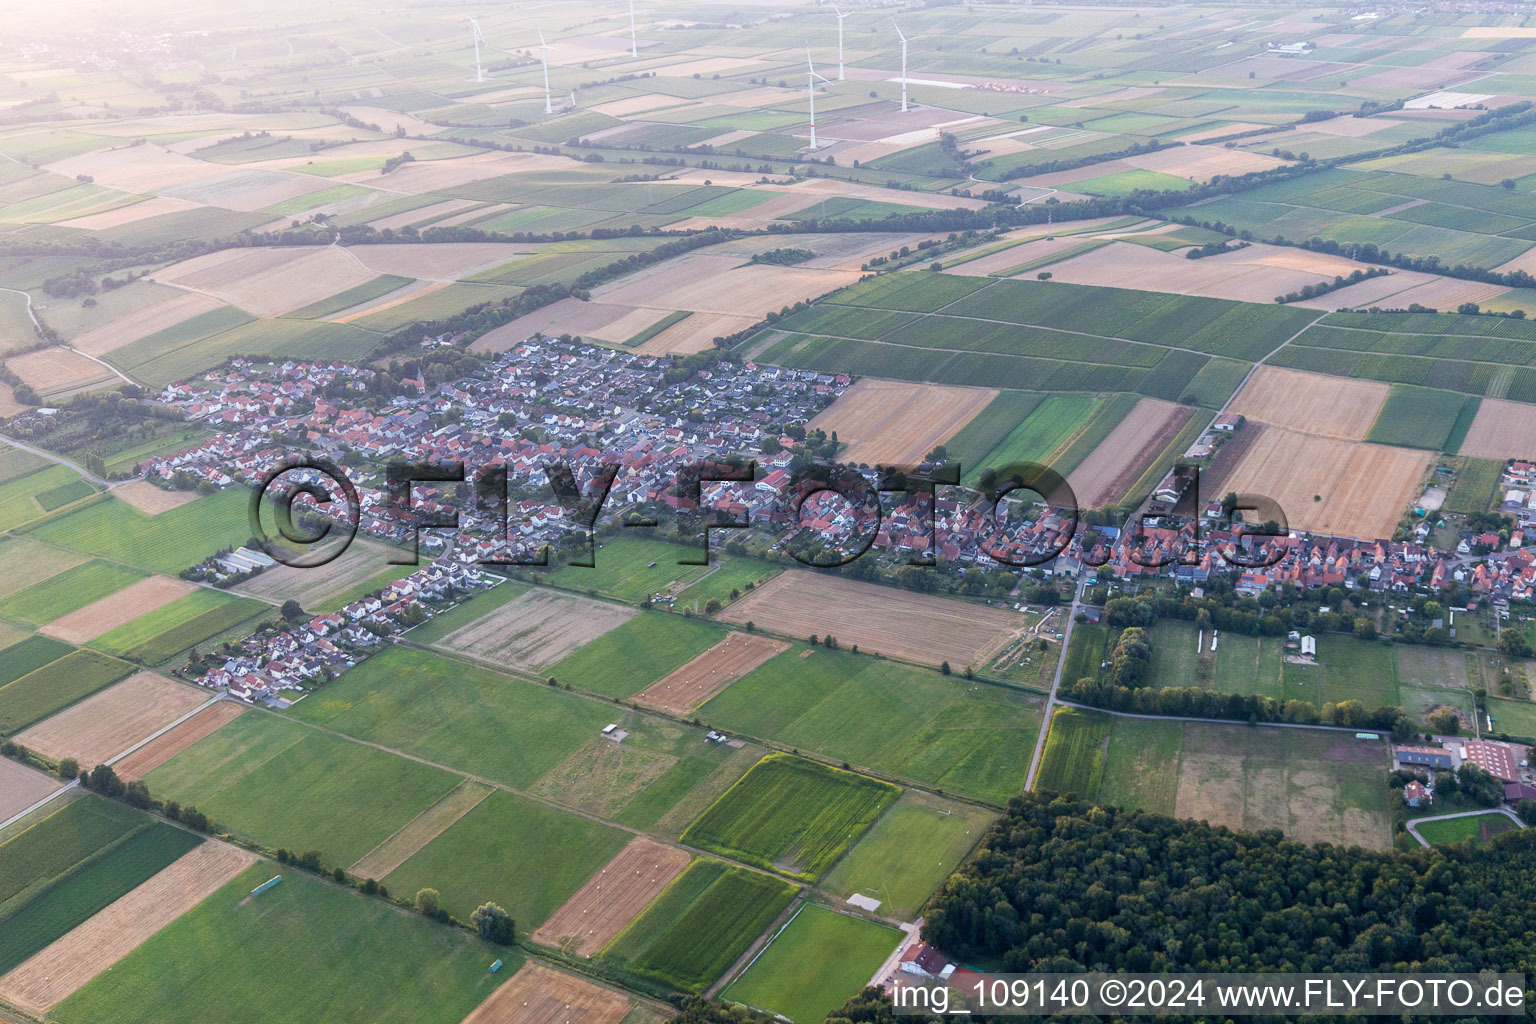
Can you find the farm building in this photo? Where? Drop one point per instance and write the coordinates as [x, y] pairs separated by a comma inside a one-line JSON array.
[[1497, 759], [1414, 794], [1428, 757]]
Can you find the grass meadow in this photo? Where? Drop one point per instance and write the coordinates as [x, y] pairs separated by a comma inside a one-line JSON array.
[[817, 963]]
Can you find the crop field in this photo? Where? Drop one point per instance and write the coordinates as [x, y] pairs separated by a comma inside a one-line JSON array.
[[1314, 786], [325, 587], [433, 975], [541, 995], [1311, 403], [53, 911], [642, 650], [700, 924], [1476, 486], [61, 594], [527, 856], [1501, 430], [108, 723], [107, 614], [269, 281], [168, 542], [29, 655], [1328, 486], [918, 842], [481, 723], [70, 962], [1117, 462], [1040, 436], [421, 830], [152, 500], [54, 372], [891, 423], [55, 686], [758, 821], [613, 897], [536, 629], [725, 581], [631, 570], [706, 675], [244, 776], [817, 963], [970, 445], [1419, 417], [918, 627], [160, 750], [53, 845], [20, 788], [908, 723], [25, 498]]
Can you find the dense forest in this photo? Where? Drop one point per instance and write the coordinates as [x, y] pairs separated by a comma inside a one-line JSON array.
[[1060, 885]]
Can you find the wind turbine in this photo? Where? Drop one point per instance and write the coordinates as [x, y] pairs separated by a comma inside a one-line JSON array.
[[810, 90], [549, 106], [634, 44], [903, 67], [479, 37], [840, 17]]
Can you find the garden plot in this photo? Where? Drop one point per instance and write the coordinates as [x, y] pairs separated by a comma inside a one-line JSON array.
[[107, 613], [536, 629], [271, 281], [56, 371], [542, 995], [161, 749], [1111, 468], [104, 725], [613, 897], [886, 422], [1312, 403], [1501, 430], [709, 673], [918, 627], [144, 322]]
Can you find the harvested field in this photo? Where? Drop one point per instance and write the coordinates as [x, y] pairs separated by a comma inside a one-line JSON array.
[[433, 175], [108, 723], [437, 262], [114, 610], [142, 323], [1312, 403], [21, 787], [24, 562], [398, 297], [400, 220], [272, 281], [711, 672], [1202, 163], [537, 628], [542, 995], [714, 284], [1109, 471], [1255, 274], [613, 897], [421, 830], [68, 964], [147, 168], [887, 422], [567, 316], [201, 725], [8, 405], [152, 500], [918, 627], [1502, 430], [695, 334], [52, 370], [1326, 485], [151, 207], [323, 586]]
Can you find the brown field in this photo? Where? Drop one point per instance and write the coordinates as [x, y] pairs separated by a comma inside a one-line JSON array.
[[431, 175], [713, 284], [151, 207], [108, 723], [21, 787], [160, 750], [421, 830], [567, 316], [1360, 489], [918, 627], [315, 588], [610, 899], [1502, 430], [270, 281], [542, 995], [887, 422], [8, 404], [1110, 469], [1255, 274], [1230, 128], [66, 965], [1311, 403], [695, 334], [1448, 292], [400, 220], [537, 628], [438, 262], [55, 369], [1202, 163], [152, 500], [142, 323], [114, 610], [147, 168], [710, 672], [399, 297], [27, 562], [1368, 293]]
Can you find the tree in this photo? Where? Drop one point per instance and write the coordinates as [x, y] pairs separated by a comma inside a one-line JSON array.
[[428, 902], [292, 610], [712, 606], [69, 769], [944, 668], [105, 781], [1444, 722], [1512, 644], [493, 924]]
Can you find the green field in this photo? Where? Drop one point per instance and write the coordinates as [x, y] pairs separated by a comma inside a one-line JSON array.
[[287, 785], [477, 606], [342, 959], [29, 655], [1514, 717], [1476, 829], [356, 296], [1073, 760], [1475, 487], [725, 575], [69, 590], [52, 912], [57, 843], [791, 815], [1084, 652], [630, 657], [700, 924], [54, 687], [1418, 417], [817, 963], [168, 542], [631, 569], [182, 623], [23, 499], [989, 427], [524, 855], [916, 844], [902, 721], [1041, 435]]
